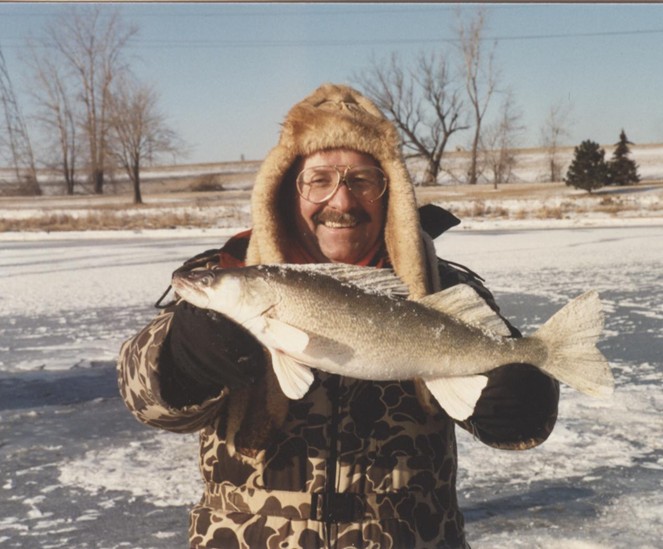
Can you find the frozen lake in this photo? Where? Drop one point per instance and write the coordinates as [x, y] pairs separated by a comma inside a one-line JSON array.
[[77, 471]]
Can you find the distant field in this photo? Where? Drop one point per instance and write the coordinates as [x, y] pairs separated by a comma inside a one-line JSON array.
[[531, 167], [518, 201], [217, 195]]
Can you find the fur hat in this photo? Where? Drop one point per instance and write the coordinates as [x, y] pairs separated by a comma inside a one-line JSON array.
[[333, 117]]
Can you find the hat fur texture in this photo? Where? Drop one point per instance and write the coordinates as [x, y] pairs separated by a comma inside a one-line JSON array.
[[339, 117]]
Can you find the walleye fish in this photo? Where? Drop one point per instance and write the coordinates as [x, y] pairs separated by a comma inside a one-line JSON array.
[[356, 322]]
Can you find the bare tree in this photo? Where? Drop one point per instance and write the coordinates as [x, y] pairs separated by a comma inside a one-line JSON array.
[[15, 136], [138, 130], [55, 113], [499, 141], [91, 42], [480, 79], [555, 128], [422, 103]]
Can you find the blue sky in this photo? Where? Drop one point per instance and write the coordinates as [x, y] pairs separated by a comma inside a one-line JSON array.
[[228, 73]]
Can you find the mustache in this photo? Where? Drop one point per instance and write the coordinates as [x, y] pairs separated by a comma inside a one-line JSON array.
[[351, 217]]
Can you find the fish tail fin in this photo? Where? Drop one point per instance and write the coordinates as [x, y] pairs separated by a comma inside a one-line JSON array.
[[570, 336]]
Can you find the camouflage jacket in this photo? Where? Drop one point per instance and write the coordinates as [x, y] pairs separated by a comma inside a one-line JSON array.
[[352, 464]]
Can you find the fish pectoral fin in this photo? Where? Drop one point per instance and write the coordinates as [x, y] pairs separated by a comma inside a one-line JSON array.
[[282, 340], [287, 338], [278, 335], [463, 302], [294, 378], [457, 395]]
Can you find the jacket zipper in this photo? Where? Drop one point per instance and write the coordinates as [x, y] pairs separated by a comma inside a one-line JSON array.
[[330, 481]]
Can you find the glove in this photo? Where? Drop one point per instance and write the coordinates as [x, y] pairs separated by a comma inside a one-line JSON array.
[[212, 350]]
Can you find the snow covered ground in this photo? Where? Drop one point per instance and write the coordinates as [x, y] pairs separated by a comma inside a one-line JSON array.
[[597, 482], [77, 471]]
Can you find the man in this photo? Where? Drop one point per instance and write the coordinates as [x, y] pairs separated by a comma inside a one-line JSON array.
[[353, 463]]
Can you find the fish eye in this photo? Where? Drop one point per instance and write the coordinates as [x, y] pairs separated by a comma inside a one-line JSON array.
[[207, 279]]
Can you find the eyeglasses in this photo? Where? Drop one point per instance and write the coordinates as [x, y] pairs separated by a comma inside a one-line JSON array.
[[319, 183]]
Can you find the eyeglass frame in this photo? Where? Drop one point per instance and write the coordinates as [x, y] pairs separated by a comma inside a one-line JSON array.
[[342, 178]]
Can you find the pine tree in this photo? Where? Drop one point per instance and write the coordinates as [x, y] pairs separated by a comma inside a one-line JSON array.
[[622, 169], [588, 170]]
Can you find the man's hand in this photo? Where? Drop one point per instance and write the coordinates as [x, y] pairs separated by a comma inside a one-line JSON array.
[[213, 350]]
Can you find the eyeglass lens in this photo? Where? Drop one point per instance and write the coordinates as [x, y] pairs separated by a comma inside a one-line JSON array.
[[319, 183]]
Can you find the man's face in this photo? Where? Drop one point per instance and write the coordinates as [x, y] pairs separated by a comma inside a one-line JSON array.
[[344, 228]]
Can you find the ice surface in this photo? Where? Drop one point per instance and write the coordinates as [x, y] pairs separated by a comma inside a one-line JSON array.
[[77, 470]]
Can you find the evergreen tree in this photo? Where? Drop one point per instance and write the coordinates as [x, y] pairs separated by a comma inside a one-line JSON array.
[[588, 170], [622, 169]]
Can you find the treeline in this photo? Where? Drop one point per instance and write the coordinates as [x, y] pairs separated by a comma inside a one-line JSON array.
[[97, 115], [93, 111], [450, 92], [455, 91]]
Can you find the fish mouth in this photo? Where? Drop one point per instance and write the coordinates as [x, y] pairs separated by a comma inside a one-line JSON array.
[[192, 283]]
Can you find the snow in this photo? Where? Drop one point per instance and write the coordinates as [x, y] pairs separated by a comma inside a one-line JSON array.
[[76, 469], [601, 469]]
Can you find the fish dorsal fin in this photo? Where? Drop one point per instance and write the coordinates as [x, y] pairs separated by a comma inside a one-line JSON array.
[[368, 279], [464, 303], [457, 395], [294, 378]]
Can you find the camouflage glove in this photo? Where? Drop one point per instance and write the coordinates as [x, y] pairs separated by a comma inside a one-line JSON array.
[[212, 350]]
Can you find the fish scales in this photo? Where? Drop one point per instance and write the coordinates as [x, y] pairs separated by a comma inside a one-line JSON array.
[[350, 321], [391, 335]]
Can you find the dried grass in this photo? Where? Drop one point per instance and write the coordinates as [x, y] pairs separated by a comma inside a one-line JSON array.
[[107, 219]]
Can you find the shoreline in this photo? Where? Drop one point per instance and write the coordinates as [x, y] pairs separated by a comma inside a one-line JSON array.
[[467, 224]]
